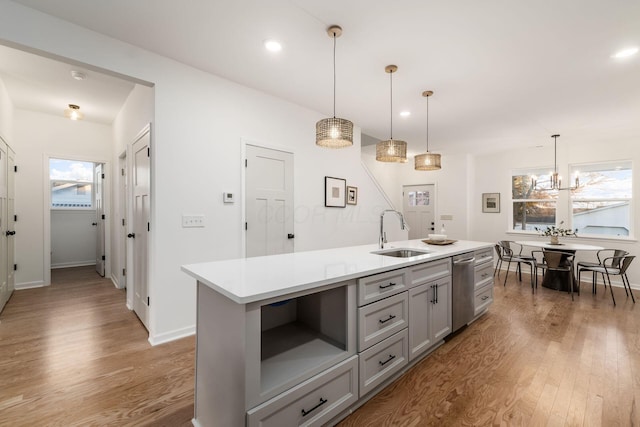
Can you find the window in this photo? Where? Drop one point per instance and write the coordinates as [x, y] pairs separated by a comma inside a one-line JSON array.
[[531, 208], [71, 184], [418, 198], [602, 203]]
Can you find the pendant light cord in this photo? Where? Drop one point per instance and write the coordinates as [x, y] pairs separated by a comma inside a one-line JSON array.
[[427, 124], [334, 75], [391, 102]]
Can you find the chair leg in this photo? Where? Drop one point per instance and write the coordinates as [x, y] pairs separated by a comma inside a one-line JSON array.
[[629, 286], [507, 273], [611, 289]]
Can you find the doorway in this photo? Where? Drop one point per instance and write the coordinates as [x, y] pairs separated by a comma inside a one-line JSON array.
[[268, 201], [418, 205]]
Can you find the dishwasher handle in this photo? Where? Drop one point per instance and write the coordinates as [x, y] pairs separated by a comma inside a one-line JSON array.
[[464, 261]]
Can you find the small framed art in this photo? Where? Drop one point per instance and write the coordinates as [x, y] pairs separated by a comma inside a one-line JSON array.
[[352, 195], [335, 192], [491, 202]]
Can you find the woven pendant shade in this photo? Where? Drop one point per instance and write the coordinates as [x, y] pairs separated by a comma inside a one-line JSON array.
[[427, 162], [334, 133], [391, 150]]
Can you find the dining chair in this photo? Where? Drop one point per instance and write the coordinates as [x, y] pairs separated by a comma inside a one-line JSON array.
[[506, 254], [615, 254], [613, 266], [516, 249], [539, 263], [560, 261]]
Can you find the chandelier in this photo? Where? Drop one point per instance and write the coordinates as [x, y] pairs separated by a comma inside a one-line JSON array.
[[555, 180]]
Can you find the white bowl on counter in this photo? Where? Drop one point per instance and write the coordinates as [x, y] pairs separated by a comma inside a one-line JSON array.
[[437, 237]]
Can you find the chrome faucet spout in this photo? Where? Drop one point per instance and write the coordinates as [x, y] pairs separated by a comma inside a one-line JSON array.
[[382, 239]]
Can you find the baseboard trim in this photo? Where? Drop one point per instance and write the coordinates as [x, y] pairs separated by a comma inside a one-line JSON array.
[[115, 282], [172, 336], [73, 264], [29, 285]]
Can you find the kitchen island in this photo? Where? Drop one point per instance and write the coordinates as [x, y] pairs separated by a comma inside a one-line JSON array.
[[306, 337]]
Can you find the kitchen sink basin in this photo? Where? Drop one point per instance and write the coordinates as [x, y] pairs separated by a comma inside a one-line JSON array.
[[401, 253]]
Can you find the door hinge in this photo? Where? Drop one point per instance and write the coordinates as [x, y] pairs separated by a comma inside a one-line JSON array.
[[148, 301], [103, 257], [103, 216], [124, 271], [246, 226], [148, 227], [102, 176], [123, 222], [15, 267], [15, 168], [122, 171], [245, 163], [15, 217], [148, 152]]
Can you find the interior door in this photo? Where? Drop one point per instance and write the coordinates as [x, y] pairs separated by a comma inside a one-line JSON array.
[[4, 230], [419, 209], [100, 218], [138, 233], [11, 220], [268, 201]]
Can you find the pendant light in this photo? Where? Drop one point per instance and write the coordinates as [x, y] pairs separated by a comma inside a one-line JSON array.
[[428, 161], [391, 150], [555, 180], [334, 132]]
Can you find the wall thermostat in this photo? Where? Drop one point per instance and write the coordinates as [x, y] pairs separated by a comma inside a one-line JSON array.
[[227, 197]]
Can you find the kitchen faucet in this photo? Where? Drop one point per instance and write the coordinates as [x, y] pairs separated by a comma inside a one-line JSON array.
[[383, 237]]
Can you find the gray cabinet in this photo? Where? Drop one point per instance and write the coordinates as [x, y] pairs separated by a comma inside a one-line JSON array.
[[429, 315], [483, 281]]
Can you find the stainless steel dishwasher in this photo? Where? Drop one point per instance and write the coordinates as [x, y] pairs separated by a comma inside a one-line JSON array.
[[462, 292]]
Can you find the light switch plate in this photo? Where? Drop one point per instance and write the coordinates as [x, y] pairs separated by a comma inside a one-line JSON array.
[[446, 217], [228, 197], [192, 221]]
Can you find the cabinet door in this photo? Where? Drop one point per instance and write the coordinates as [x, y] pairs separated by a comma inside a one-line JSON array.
[[441, 310], [420, 298]]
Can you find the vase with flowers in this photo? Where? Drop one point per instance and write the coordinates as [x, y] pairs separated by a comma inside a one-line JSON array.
[[555, 232]]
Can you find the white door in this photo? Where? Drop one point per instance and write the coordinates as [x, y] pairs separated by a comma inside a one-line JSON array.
[[419, 209], [11, 223], [100, 218], [268, 201], [4, 227], [138, 232]]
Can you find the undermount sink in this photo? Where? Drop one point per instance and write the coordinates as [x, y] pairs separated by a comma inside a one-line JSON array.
[[401, 252]]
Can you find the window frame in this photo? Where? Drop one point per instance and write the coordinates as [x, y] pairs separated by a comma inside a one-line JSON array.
[[530, 171], [71, 181]]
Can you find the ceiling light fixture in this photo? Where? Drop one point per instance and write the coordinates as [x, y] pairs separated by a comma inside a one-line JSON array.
[[624, 53], [273, 45], [427, 161], [78, 75], [391, 150], [334, 132], [555, 180], [73, 112], [405, 113]]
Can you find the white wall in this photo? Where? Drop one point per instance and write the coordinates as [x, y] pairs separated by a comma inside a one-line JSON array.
[[37, 136], [6, 115], [73, 238], [200, 123], [492, 174]]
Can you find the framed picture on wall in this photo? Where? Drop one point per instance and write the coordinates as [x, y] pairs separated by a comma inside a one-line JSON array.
[[335, 192], [491, 202], [352, 195]]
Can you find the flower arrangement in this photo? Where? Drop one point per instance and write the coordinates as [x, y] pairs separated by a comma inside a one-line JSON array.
[[554, 231]]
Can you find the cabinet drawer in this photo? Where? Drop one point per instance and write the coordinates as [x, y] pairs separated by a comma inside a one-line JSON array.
[[483, 299], [382, 319], [484, 255], [429, 271], [383, 360], [483, 275], [378, 286], [312, 403]]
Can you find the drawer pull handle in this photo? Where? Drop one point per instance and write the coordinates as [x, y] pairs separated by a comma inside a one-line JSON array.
[[391, 357], [391, 317], [387, 286], [485, 297], [322, 402]]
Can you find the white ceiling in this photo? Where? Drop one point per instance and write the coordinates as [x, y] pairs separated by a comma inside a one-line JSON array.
[[505, 73]]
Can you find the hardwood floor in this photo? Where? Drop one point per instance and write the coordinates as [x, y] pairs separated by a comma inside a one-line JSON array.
[[72, 355]]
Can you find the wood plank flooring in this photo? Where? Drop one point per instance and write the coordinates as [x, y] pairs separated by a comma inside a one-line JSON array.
[[72, 355]]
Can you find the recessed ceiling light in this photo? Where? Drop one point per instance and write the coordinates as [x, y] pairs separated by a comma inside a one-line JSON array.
[[405, 113], [273, 45], [78, 75], [625, 52]]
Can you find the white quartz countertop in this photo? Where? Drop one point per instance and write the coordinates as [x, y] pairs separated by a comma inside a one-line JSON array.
[[247, 280]]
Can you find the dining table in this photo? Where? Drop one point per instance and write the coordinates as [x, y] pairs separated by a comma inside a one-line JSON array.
[[558, 280]]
